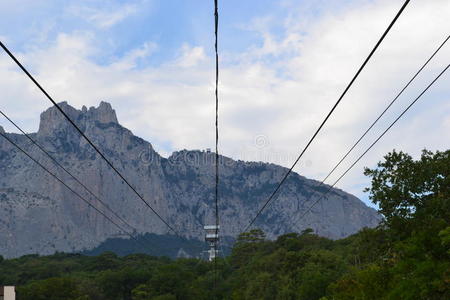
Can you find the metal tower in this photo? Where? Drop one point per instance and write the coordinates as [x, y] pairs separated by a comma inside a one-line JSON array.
[[212, 238]]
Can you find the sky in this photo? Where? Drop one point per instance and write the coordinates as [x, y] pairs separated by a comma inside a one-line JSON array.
[[283, 64]]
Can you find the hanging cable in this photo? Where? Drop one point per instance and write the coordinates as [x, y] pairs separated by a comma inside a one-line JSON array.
[[370, 147], [216, 190], [68, 187], [378, 118], [272, 196], [85, 137], [66, 171]]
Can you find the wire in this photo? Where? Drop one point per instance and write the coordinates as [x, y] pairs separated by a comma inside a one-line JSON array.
[[370, 147], [329, 114], [378, 118], [84, 136], [68, 187], [216, 14], [216, 27], [65, 170]]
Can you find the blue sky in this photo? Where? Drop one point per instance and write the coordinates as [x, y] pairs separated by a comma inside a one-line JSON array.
[[169, 24], [283, 65]]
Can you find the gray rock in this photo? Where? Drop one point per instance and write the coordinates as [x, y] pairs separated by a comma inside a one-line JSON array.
[[39, 215], [104, 113]]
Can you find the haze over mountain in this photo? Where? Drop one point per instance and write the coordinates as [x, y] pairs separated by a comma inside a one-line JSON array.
[[39, 215]]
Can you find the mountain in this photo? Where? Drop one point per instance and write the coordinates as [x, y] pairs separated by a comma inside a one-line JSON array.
[[155, 245], [39, 215]]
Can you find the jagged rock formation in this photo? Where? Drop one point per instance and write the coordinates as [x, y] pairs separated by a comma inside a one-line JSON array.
[[39, 215]]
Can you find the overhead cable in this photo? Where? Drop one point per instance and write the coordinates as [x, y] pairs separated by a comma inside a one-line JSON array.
[[370, 147], [378, 118], [4, 135], [85, 137], [274, 193], [65, 170]]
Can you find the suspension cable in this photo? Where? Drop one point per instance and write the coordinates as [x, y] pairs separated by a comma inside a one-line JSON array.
[[274, 193]]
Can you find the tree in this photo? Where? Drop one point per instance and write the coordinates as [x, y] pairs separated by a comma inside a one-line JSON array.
[[405, 189], [52, 288], [445, 238], [253, 236], [413, 196], [247, 244], [118, 284], [105, 261]]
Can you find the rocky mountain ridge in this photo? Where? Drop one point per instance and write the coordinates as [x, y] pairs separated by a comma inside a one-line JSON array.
[[39, 215]]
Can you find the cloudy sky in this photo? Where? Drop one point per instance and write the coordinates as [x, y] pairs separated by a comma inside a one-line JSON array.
[[283, 65]]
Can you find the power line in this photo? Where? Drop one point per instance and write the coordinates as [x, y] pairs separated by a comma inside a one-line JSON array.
[[84, 136], [379, 117], [370, 147], [67, 186], [329, 114], [67, 171]]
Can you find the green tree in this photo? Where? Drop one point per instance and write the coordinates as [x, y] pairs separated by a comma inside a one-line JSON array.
[[52, 288], [105, 261], [445, 238], [118, 284], [413, 197], [405, 189], [247, 244]]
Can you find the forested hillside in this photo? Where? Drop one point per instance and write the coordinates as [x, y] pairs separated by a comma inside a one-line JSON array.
[[406, 257]]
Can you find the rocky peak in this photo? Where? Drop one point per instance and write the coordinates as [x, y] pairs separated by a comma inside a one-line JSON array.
[[52, 119], [2, 130], [104, 113]]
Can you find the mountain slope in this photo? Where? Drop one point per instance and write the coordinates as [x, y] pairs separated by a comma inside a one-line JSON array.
[[39, 215]]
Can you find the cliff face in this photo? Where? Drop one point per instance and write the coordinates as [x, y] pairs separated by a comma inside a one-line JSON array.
[[39, 215]]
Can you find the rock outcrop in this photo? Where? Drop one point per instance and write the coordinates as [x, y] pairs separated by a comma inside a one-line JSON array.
[[39, 215]]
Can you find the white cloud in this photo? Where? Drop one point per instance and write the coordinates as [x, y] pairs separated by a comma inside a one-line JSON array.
[[131, 59], [191, 56], [105, 16], [284, 99]]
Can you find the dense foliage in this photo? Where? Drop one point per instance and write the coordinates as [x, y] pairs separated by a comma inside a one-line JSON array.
[[406, 257]]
